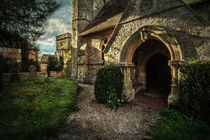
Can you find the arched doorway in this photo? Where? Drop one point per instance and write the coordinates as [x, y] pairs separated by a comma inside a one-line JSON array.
[[136, 52], [158, 74], [152, 74]]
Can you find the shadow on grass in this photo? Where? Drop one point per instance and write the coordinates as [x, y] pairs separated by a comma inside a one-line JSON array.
[[175, 125], [33, 109]]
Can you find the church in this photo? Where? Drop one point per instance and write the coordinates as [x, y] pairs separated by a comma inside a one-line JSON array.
[[148, 39]]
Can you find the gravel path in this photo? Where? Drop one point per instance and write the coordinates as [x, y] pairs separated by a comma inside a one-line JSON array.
[[95, 121]]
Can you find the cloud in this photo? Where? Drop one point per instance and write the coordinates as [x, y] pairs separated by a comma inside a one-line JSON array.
[[40, 54], [46, 50], [56, 26], [47, 42]]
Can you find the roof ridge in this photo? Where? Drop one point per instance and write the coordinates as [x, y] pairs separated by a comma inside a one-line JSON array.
[[109, 10]]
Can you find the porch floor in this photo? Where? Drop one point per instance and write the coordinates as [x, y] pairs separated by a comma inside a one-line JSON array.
[[151, 98]]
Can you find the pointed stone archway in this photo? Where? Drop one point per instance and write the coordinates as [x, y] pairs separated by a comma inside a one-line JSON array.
[[169, 45]]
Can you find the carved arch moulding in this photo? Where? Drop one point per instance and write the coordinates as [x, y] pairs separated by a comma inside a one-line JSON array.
[[150, 32]]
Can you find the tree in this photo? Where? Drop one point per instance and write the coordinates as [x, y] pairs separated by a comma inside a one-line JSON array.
[[51, 64], [60, 64], [24, 19], [21, 21]]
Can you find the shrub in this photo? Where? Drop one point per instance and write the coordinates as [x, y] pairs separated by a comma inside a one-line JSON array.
[[108, 80], [194, 94], [51, 64], [113, 101], [59, 66], [54, 64]]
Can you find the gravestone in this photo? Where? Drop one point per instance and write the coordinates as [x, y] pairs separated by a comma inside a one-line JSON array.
[[32, 73]]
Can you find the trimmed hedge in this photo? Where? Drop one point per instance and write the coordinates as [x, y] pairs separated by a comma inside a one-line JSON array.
[[194, 94], [108, 80]]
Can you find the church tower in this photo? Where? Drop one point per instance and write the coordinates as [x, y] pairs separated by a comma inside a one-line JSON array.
[[82, 14]]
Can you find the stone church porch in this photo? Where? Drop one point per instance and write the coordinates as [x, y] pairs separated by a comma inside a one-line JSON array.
[[150, 61]]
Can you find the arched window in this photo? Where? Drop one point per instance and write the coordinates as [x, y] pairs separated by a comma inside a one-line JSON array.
[[103, 46]]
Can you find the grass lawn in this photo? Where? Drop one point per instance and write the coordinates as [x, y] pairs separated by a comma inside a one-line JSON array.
[[33, 109], [175, 125]]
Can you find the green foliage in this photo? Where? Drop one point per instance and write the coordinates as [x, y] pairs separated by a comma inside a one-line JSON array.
[[9, 64], [175, 125], [194, 94], [60, 64], [108, 80], [23, 19], [54, 64], [113, 101], [175, 115], [31, 109], [26, 64]]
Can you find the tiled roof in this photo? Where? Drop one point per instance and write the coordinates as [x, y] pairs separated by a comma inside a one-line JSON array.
[[192, 1], [108, 24], [110, 12]]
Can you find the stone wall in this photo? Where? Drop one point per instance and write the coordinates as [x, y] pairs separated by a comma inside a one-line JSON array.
[[11, 53], [26, 74], [56, 74], [61, 74], [43, 67], [82, 14], [176, 17], [93, 68], [90, 56]]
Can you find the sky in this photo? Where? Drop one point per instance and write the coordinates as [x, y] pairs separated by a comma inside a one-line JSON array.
[[57, 24]]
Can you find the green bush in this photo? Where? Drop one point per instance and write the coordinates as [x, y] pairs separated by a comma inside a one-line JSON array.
[[54, 64], [109, 79], [113, 101], [59, 66], [51, 64], [194, 94]]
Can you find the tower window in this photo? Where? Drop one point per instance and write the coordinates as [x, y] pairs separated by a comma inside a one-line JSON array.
[[102, 49], [105, 41], [103, 46]]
